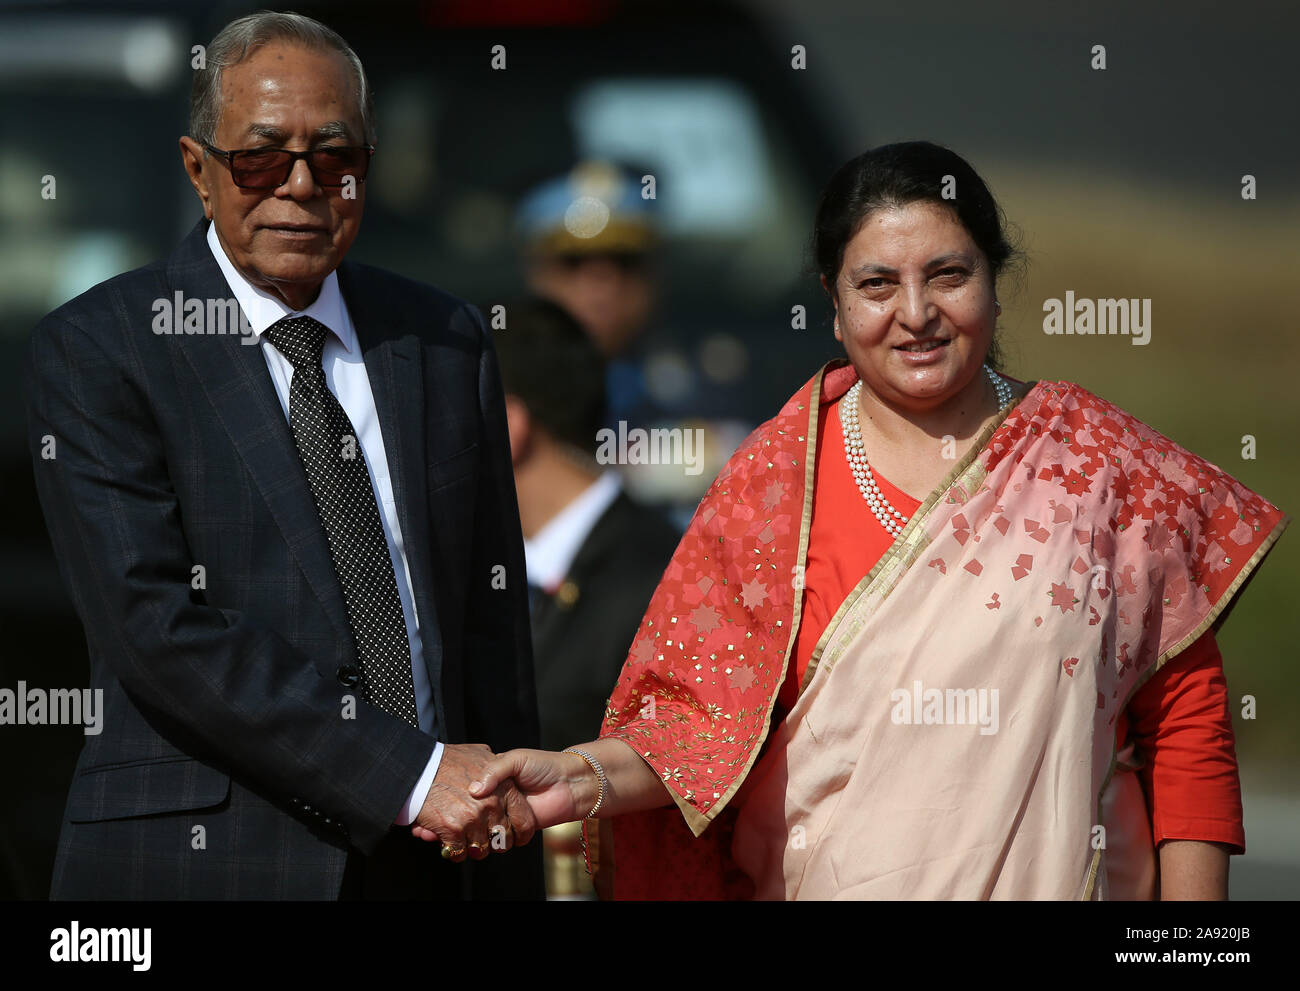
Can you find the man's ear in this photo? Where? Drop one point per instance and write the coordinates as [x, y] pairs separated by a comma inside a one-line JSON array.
[[192, 159]]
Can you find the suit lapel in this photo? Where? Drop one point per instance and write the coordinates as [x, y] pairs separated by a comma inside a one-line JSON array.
[[235, 381], [554, 614]]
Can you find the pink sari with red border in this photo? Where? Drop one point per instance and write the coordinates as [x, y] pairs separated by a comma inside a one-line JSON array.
[[954, 734]]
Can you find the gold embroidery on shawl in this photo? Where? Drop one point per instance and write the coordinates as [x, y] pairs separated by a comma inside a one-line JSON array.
[[697, 820]]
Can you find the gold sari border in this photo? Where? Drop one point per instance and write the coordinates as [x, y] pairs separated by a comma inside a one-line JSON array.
[[697, 820]]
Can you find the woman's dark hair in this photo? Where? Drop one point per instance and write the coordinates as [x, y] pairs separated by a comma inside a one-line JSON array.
[[896, 175]]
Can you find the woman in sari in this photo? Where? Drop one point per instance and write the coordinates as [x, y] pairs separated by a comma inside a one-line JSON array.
[[933, 632]]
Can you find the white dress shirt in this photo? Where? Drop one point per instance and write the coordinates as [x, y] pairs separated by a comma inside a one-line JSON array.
[[345, 375], [550, 553]]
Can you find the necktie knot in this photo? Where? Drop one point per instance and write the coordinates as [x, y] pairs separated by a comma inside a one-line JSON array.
[[301, 340]]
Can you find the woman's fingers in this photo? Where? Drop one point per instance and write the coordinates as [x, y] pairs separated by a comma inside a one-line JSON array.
[[498, 770], [522, 821]]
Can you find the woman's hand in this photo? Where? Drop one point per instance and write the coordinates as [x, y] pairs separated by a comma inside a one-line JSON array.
[[559, 787], [563, 787]]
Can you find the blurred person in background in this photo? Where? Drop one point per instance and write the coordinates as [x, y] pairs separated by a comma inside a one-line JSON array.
[[934, 632], [593, 555], [588, 240]]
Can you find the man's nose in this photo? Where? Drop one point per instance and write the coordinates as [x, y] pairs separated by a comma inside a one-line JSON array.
[[301, 183]]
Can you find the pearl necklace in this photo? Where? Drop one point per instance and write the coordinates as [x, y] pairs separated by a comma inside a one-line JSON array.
[[890, 518]]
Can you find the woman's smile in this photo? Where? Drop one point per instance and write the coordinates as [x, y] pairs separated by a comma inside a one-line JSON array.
[[926, 352]]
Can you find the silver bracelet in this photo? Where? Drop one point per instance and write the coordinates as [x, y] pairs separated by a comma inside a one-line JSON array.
[[600, 777]]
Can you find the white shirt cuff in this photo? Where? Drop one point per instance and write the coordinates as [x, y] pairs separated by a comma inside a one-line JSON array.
[[421, 790]]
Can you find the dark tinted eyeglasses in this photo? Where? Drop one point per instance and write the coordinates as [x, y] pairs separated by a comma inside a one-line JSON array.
[[269, 168]]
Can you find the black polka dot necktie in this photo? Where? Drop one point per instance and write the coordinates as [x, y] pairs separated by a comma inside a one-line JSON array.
[[331, 455]]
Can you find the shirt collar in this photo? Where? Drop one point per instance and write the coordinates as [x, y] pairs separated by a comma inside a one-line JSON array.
[[262, 309], [550, 552]]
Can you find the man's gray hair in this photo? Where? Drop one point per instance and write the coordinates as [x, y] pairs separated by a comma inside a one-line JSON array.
[[237, 40]]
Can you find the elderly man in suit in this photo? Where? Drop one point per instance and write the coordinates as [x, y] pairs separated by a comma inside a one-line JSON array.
[[298, 563]]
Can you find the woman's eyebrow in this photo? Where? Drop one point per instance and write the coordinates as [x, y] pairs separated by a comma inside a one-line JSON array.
[[872, 268], [952, 256]]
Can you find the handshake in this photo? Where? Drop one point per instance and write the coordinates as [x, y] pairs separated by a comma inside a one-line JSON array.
[[482, 803]]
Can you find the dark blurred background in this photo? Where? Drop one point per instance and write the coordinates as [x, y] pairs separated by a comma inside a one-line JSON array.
[[1123, 182]]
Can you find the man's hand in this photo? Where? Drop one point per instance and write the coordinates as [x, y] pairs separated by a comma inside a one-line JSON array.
[[467, 824]]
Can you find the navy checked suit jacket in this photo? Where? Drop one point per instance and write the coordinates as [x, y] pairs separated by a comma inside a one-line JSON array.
[[223, 704]]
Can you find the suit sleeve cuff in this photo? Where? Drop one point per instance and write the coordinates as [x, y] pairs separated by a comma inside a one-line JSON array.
[[421, 790]]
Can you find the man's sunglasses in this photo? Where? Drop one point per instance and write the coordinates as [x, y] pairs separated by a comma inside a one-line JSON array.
[[269, 168]]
